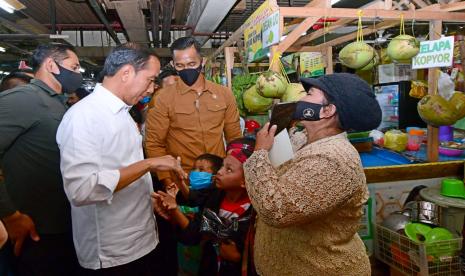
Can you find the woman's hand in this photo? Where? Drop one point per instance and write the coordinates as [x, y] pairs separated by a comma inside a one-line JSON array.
[[229, 251], [265, 138]]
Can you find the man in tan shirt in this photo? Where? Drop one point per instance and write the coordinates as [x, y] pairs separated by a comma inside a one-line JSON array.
[[191, 116]]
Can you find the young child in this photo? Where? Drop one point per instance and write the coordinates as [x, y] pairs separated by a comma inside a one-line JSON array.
[[229, 200], [200, 177]]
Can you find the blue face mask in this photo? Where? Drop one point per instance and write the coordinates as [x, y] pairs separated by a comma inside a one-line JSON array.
[[145, 100], [200, 180]]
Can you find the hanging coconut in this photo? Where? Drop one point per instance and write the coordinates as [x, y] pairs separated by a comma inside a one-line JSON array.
[[458, 101], [294, 92], [356, 55], [271, 85], [374, 61], [403, 47], [255, 103], [436, 111]]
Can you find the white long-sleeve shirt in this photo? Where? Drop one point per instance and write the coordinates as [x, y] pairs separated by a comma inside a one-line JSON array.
[[97, 137]]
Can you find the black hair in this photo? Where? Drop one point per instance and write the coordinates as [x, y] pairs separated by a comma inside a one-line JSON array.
[[56, 51], [166, 71], [184, 43], [19, 74], [216, 161], [248, 145], [128, 53]]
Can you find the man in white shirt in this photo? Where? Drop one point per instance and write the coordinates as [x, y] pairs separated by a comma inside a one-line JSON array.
[[106, 178]]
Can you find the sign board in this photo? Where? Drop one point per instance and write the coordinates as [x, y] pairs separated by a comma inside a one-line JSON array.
[[311, 64], [253, 32], [270, 30], [435, 53]]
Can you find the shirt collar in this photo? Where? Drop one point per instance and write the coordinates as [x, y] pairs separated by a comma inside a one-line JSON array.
[[183, 88], [111, 100], [44, 86]]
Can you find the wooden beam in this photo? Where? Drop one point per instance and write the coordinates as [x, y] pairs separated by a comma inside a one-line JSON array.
[[450, 7], [388, 4], [329, 60], [435, 29], [371, 14], [155, 18], [296, 33], [368, 30], [340, 23], [229, 59], [414, 171]]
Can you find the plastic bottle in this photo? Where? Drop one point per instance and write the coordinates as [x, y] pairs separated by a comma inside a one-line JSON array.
[[415, 137]]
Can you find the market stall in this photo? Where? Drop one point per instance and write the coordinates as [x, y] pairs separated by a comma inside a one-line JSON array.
[[424, 157]]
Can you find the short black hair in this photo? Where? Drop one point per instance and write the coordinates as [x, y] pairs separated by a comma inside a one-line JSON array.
[[129, 53], [56, 51], [166, 71], [81, 93], [216, 161], [183, 43], [19, 74]]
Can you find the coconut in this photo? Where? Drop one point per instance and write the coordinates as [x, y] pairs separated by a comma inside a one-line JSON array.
[[255, 103], [294, 92], [403, 47], [356, 55], [372, 63], [436, 111], [271, 85], [458, 101]]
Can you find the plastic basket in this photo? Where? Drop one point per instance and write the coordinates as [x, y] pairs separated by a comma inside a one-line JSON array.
[[412, 258]]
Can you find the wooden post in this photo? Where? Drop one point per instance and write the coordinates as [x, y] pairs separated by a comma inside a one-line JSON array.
[[229, 59], [435, 29], [329, 60]]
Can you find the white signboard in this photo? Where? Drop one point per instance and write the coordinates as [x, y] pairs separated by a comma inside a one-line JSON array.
[[435, 53], [270, 30]]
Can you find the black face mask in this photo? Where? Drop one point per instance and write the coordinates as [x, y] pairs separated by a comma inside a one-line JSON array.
[[305, 111], [190, 76], [69, 80]]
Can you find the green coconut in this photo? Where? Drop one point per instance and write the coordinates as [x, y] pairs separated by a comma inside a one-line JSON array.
[[436, 111], [403, 47], [255, 103], [458, 101], [374, 61], [271, 85], [294, 92], [356, 55]]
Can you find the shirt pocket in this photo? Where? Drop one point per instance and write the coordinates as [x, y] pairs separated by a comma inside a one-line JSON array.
[[215, 114], [185, 116]]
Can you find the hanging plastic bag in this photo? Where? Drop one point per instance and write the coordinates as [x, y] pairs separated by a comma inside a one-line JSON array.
[[446, 86], [219, 229]]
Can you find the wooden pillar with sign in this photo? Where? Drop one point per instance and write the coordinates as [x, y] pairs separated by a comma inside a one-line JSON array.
[[435, 29]]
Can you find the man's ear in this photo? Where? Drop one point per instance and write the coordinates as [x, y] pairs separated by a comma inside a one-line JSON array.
[[51, 66], [125, 72]]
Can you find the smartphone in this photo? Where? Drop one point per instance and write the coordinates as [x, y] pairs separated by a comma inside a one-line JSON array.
[[281, 115]]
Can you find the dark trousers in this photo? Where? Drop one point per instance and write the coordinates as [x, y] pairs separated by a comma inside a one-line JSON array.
[[51, 255], [147, 265]]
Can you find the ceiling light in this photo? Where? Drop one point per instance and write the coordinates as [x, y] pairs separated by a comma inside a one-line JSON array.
[[82, 70], [11, 5], [6, 7], [2, 49], [334, 2], [1, 72]]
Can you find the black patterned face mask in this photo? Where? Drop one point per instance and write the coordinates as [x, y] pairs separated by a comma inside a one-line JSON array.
[[306, 111]]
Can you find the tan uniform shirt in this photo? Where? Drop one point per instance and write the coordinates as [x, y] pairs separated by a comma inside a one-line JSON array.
[[186, 124]]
